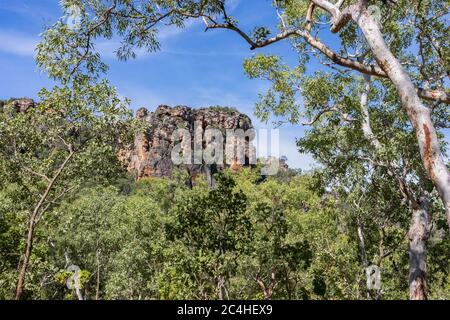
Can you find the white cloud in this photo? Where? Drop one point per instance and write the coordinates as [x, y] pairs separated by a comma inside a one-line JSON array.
[[17, 43]]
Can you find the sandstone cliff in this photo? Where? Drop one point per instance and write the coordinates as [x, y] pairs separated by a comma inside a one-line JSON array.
[[150, 155], [19, 105]]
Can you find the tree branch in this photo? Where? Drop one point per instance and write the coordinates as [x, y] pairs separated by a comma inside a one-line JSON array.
[[434, 95], [342, 19], [327, 6], [50, 185], [372, 70], [344, 116], [37, 174]]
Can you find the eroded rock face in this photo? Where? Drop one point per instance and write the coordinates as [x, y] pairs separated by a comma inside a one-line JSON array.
[[19, 105], [22, 105], [151, 153]]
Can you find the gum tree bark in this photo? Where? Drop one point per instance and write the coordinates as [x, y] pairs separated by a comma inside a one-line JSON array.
[[418, 237], [362, 244]]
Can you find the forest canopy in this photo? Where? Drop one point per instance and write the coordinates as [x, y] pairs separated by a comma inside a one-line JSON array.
[[282, 238]]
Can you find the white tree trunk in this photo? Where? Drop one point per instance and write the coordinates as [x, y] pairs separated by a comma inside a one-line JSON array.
[[420, 221], [418, 113], [418, 236]]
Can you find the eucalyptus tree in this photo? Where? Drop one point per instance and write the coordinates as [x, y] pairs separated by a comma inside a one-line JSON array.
[[51, 149], [362, 137], [403, 43]]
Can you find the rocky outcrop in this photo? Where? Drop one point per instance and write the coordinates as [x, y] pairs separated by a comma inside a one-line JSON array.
[[150, 154], [19, 105]]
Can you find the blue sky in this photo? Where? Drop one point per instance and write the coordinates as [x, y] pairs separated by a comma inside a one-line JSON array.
[[193, 68]]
